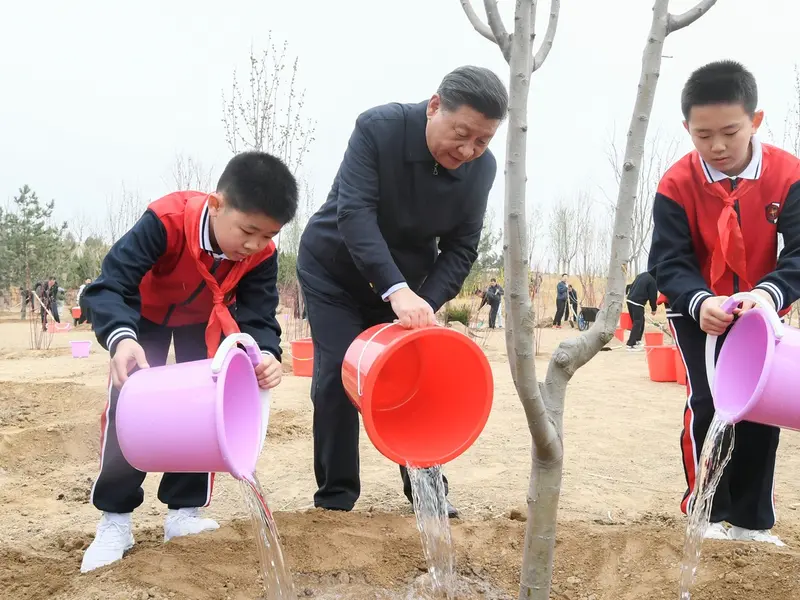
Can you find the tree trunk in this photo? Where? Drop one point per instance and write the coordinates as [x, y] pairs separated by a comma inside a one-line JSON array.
[[546, 455]]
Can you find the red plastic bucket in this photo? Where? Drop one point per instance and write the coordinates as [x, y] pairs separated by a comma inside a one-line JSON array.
[[303, 357], [76, 312], [661, 363], [424, 394], [654, 338], [625, 321], [619, 333], [680, 368]]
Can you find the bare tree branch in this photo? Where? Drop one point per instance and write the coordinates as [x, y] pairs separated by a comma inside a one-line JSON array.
[[549, 35], [476, 22], [190, 174], [495, 21], [676, 22]]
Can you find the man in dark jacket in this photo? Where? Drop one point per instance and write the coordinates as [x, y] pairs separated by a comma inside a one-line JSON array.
[[395, 239], [493, 296], [640, 292], [562, 292]]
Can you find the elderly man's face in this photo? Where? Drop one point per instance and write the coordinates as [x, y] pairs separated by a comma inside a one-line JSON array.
[[457, 137]]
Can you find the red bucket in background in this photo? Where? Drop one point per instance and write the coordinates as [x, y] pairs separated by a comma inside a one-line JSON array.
[[625, 321], [661, 363], [654, 338], [424, 394], [619, 333], [303, 357], [76, 312]]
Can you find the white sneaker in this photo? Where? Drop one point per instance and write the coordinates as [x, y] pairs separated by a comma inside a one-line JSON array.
[[636, 348], [112, 540], [716, 531], [186, 521], [741, 534]]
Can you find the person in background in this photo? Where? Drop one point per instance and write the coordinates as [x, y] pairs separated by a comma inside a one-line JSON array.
[[640, 292], [572, 303], [51, 293], [395, 239], [84, 318], [716, 219], [562, 293], [493, 296], [194, 268], [24, 298]]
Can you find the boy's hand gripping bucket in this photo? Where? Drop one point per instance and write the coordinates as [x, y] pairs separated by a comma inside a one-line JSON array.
[[204, 416], [424, 394], [756, 376]]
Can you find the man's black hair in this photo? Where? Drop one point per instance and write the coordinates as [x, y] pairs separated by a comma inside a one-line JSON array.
[[257, 182], [478, 88], [493, 279], [720, 82]]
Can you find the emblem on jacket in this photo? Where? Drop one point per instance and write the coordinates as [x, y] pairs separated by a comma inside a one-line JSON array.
[[771, 210]]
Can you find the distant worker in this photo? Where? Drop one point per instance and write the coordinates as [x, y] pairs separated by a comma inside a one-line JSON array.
[[493, 296], [640, 292]]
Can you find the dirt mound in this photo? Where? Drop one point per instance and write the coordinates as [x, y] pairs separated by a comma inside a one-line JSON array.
[[364, 556]]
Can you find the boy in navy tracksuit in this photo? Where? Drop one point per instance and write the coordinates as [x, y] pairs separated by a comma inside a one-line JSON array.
[[194, 268], [717, 216]]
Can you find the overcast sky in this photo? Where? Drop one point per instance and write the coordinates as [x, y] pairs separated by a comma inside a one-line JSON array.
[[96, 92]]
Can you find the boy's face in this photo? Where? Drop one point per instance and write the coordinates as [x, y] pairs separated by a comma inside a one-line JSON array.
[[239, 234], [721, 133]]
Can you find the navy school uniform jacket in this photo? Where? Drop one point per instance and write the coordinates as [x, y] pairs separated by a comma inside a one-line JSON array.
[[390, 202], [173, 292], [643, 290], [688, 215]]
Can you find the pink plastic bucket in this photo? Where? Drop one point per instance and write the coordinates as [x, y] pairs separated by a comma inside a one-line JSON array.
[[80, 348], [205, 416], [755, 378]]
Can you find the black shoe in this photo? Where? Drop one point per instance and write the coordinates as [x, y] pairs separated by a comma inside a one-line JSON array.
[[452, 511]]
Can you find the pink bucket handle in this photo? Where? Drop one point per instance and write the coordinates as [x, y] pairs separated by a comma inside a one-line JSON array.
[[728, 306], [254, 352]]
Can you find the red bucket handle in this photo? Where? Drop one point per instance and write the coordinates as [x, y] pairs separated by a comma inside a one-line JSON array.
[[363, 349]]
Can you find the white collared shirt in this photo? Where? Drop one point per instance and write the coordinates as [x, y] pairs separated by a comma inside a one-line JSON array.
[[205, 234]]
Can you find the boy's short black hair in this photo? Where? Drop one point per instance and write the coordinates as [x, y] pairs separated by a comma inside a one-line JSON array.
[[257, 182], [720, 82]]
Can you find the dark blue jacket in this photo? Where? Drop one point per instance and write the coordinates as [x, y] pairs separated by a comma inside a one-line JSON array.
[[561, 291], [393, 215]]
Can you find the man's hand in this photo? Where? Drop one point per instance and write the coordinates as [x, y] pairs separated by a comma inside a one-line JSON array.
[[714, 320], [269, 372], [748, 304], [128, 354], [413, 311]]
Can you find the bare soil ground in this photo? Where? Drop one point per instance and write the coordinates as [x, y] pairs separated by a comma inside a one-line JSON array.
[[619, 538]]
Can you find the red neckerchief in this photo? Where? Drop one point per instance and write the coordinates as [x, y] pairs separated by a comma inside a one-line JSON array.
[[729, 250], [220, 321]]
